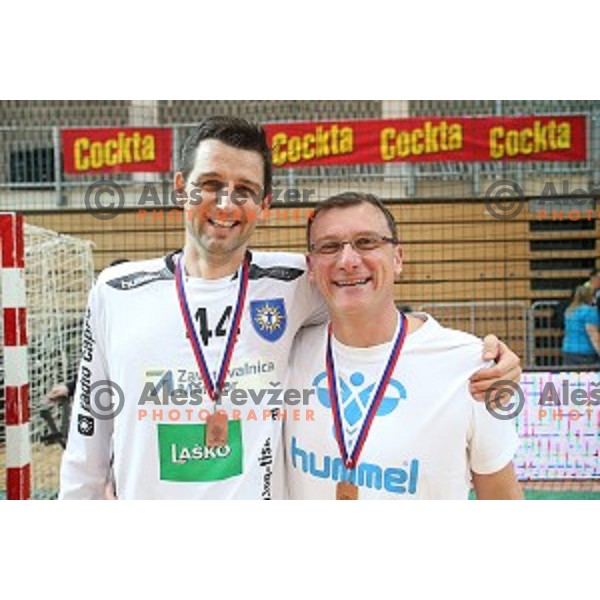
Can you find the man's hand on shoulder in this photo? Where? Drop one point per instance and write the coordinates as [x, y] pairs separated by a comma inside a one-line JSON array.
[[507, 368]]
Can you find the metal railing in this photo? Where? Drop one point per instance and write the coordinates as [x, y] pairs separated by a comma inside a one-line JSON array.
[[544, 340], [535, 332], [508, 320]]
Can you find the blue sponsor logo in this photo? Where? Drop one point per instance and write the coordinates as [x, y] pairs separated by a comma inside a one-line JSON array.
[[269, 318], [395, 480], [355, 396]]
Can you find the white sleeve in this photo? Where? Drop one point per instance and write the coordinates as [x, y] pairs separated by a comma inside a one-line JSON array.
[[86, 461], [312, 303], [492, 442]]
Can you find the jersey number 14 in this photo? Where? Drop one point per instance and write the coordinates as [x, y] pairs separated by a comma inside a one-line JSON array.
[[205, 331]]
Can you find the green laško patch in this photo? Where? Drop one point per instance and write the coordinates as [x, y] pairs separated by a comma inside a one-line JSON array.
[[185, 457]]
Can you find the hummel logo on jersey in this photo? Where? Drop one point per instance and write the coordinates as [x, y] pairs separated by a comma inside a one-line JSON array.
[[269, 318], [395, 479], [278, 273], [135, 280], [355, 395]]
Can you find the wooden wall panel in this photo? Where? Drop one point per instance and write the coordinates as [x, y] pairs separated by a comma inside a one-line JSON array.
[[453, 252]]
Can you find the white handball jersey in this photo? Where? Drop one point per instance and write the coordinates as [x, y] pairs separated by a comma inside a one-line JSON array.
[[428, 433], [135, 342]]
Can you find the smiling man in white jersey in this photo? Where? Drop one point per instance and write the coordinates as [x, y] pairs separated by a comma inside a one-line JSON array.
[[174, 335], [394, 418]]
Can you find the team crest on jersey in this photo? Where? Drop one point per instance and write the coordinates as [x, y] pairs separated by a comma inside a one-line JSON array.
[[269, 318]]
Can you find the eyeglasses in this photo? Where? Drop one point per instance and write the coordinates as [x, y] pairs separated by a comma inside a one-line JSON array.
[[361, 244]]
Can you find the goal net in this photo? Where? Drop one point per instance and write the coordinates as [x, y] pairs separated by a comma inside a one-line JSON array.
[[59, 272]]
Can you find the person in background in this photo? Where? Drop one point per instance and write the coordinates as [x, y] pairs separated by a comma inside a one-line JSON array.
[[62, 390], [594, 284], [581, 342]]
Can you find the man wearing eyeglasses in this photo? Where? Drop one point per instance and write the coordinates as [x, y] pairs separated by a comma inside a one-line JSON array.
[[393, 416], [170, 338]]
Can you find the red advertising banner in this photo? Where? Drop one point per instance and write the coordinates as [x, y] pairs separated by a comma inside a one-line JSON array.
[[117, 150], [445, 139]]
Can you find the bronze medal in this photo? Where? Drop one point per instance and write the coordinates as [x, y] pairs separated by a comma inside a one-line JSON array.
[[217, 427], [344, 490]]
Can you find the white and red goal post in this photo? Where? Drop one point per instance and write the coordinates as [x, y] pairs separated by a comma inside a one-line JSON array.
[[16, 381]]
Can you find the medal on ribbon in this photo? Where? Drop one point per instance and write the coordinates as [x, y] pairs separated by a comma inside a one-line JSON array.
[[217, 423], [347, 490]]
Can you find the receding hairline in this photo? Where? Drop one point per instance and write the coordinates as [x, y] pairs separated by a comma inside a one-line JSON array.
[[347, 200], [363, 229]]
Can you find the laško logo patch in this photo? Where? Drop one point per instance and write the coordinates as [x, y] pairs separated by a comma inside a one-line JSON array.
[[185, 457]]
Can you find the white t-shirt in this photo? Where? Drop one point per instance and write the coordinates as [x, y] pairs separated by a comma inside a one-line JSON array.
[[428, 433], [135, 337]]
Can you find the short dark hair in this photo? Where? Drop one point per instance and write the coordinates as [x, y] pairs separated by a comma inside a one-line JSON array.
[[594, 273], [346, 199], [233, 131]]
